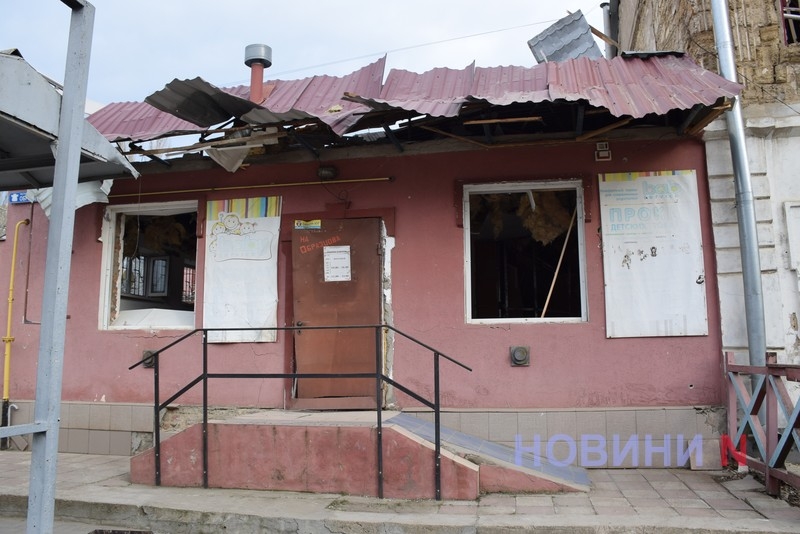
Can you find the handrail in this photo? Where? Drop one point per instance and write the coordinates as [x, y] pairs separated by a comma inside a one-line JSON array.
[[765, 394], [378, 375]]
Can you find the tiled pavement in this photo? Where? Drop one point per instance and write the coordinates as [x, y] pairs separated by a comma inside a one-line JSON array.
[[94, 490]]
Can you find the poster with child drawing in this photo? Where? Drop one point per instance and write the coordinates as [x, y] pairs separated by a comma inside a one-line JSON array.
[[241, 269]]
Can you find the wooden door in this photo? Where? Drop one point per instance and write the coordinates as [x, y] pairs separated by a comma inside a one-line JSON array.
[[336, 273]]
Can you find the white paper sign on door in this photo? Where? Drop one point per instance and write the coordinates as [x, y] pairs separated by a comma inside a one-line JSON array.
[[336, 261]]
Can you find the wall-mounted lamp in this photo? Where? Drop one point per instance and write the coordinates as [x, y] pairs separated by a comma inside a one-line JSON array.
[[327, 172]]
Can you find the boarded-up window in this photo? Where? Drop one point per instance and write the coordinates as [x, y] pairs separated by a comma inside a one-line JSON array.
[[241, 268], [652, 254]]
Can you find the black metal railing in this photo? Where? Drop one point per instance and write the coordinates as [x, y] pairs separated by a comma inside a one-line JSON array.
[[152, 359]]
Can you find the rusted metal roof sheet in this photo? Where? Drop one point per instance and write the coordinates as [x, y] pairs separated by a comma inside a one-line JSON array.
[[626, 86], [199, 102], [569, 38], [632, 86], [195, 105], [426, 93], [122, 121], [320, 97]]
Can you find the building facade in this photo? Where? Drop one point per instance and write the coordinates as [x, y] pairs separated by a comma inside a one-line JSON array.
[[560, 252]]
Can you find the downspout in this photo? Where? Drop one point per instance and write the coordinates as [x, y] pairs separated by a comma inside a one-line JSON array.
[[745, 206], [8, 339], [611, 26]]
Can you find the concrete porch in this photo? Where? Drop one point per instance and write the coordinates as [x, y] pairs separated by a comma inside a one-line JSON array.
[[335, 452]]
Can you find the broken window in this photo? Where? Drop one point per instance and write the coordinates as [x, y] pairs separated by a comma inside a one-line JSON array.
[[150, 257], [791, 20], [524, 251]]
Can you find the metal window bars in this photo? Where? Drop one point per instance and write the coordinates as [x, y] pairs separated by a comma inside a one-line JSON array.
[[791, 14]]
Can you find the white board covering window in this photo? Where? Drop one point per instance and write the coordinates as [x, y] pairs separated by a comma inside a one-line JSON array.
[[241, 269], [652, 254]]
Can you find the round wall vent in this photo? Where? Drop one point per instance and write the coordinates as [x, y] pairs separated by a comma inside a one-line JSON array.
[[520, 356]]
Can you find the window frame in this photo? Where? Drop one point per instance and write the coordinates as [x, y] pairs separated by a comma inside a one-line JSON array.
[[522, 187], [157, 276], [110, 281], [786, 23]]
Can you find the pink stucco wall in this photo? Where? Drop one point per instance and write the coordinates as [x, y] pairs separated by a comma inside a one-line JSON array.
[[573, 365]]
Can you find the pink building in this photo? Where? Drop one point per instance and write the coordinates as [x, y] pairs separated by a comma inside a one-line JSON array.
[[549, 227]]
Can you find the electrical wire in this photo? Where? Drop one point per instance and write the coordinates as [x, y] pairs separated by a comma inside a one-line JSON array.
[[413, 47]]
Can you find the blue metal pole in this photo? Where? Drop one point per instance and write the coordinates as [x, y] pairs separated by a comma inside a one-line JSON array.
[[47, 407]]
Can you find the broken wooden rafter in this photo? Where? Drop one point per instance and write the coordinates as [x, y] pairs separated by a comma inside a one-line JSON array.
[[715, 112], [454, 136], [604, 129], [500, 121], [267, 138]]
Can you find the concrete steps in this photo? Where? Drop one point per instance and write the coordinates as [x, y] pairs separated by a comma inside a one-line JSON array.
[[335, 452]]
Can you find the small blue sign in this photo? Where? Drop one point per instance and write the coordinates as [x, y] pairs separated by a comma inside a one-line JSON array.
[[18, 198]]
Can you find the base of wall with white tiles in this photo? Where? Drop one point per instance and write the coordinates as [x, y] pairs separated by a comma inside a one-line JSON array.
[[94, 427], [601, 438]]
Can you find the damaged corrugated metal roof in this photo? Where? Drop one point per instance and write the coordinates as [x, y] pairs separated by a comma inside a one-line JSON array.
[[138, 120], [197, 103], [629, 88], [626, 86]]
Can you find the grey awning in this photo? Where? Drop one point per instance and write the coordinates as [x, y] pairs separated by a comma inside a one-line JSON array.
[[29, 115]]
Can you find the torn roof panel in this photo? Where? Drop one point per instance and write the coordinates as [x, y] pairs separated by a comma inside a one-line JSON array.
[[632, 86], [422, 93], [197, 103], [568, 38], [29, 126], [322, 96], [123, 121]]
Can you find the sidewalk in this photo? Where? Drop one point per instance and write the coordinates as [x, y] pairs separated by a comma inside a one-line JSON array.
[[93, 491]]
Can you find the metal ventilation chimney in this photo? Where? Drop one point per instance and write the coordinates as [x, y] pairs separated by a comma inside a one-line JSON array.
[[258, 57]]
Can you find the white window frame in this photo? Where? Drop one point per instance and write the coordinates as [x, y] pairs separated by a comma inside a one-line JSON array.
[[109, 280], [522, 187]]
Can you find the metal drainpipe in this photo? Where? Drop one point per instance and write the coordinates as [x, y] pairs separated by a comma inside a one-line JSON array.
[[611, 26], [8, 339], [745, 207]]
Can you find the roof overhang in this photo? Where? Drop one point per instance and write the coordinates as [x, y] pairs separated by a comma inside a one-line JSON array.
[[574, 100], [30, 107]]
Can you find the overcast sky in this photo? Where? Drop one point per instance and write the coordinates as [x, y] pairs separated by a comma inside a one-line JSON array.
[[139, 46]]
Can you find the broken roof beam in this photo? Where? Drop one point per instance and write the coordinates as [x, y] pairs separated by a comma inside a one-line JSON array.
[[392, 137], [500, 121], [709, 117], [604, 129], [454, 136], [266, 138]]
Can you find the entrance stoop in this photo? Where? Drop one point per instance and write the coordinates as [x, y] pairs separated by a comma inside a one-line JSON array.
[[335, 452]]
